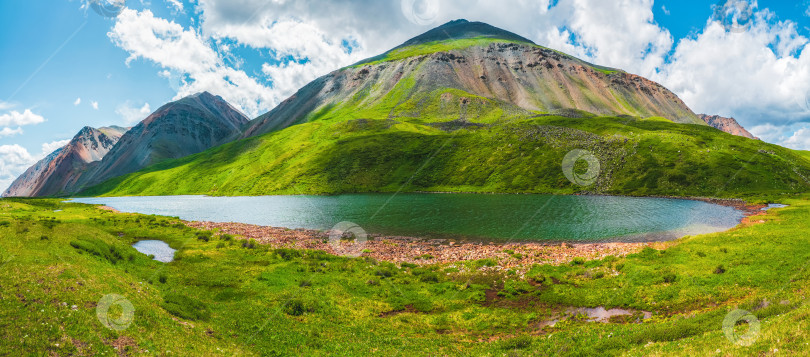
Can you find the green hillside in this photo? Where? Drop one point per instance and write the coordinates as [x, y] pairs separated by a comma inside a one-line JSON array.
[[224, 296], [498, 151], [485, 111]]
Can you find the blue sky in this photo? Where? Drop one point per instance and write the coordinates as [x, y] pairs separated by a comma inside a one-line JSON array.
[[66, 66]]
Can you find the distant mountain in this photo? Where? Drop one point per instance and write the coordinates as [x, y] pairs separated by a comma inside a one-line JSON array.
[[729, 125], [65, 166], [461, 63], [472, 108], [188, 126]]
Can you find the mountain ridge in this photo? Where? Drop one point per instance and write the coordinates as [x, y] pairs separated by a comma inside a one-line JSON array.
[[60, 169], [522, 75], [476, 115], [728, 125], [187, 126]]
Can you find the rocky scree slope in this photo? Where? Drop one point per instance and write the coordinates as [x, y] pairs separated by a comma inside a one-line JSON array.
[[476, 61], [67, 165], [188, 126]]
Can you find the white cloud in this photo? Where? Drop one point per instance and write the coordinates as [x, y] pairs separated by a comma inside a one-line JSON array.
[[77, 102], [94, 105], [167, 43], [48, 148], [795, 136], [665, 10], [186, 52], [291, 42], [132, 114], [800, 140], [177, 4], [15, 159], [4, 105], [759, 76], [15, 118], [10, 132]]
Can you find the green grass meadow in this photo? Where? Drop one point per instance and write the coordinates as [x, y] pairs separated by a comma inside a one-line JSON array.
[[222, 296], [638, 157]]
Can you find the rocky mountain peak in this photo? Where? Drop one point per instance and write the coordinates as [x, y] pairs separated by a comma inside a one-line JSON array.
[[728, 125], [463, 29]]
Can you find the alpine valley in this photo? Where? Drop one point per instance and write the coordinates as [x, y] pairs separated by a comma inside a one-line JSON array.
[[465, 107]]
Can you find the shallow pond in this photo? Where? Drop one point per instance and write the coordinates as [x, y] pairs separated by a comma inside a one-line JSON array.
[[161, 250]]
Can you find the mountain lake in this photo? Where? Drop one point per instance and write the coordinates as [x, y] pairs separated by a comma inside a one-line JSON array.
[[489, 217]]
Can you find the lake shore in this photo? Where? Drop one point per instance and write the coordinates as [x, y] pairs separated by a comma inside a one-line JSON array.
[[426, 251], [508, 255]]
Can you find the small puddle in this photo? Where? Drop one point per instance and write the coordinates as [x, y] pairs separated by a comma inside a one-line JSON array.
[[774, 205], [161, 250], [596, 314]]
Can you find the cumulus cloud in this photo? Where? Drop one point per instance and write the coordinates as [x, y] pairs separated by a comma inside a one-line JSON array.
[[133, 114], [94, 105], [4, 105], [9, 131], [15, 118], [77, 102], [187, 52], [15, 159], [11, 123], [799, 140], [177, 4], [762, 74], [48, 148]]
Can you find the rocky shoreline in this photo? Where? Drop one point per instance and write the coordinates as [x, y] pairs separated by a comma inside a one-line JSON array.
[[517, 256], [512, 255], [422, 251]]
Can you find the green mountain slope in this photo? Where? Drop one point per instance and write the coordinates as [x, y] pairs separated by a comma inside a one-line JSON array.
[[476, 113], [637, 157]]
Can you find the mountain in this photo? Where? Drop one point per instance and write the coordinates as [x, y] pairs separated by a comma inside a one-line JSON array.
[[190, 125], [65, 166], [487, 111], [456, 66], [729, 125]]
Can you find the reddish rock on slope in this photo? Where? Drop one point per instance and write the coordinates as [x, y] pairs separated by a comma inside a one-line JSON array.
[[62, 168], [729, 125]]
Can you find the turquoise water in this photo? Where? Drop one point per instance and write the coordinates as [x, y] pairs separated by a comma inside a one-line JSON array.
[[545, 218]]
